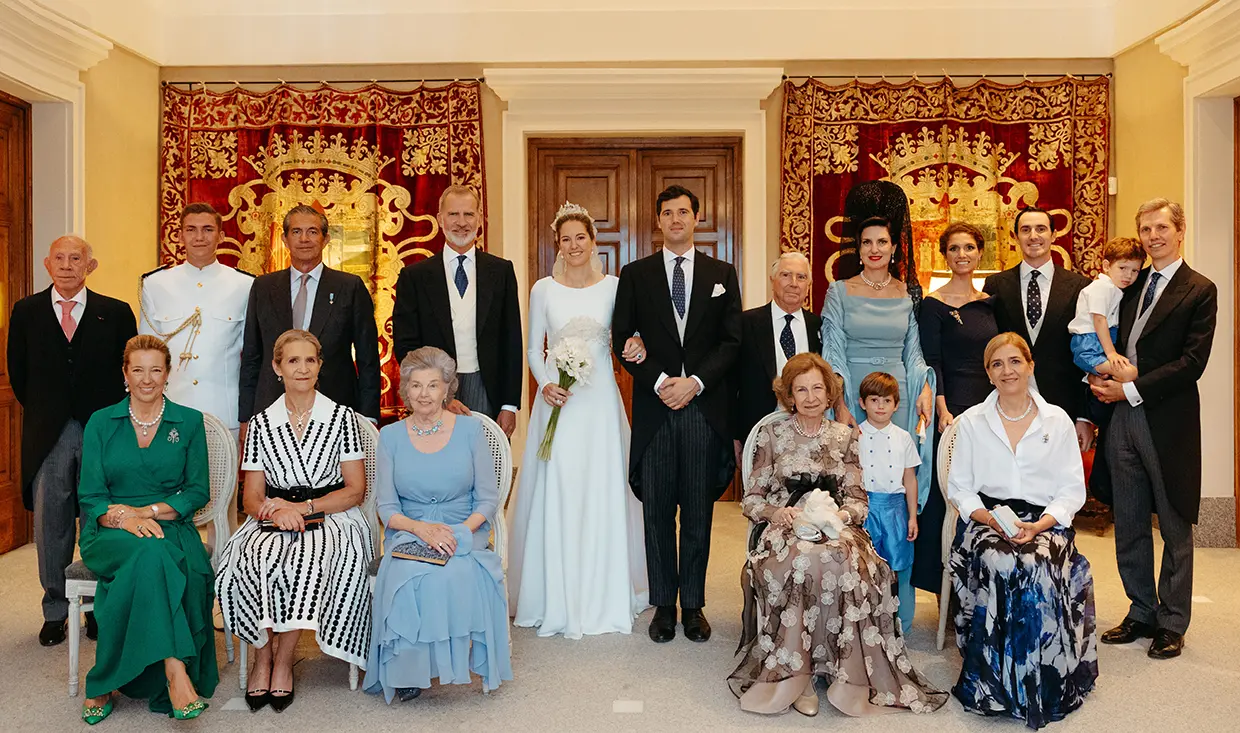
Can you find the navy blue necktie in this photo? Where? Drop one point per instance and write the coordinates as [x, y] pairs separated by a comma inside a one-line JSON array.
[[461, 279], [1150, 292], [1033, 298], [786, 341], [678, 287]]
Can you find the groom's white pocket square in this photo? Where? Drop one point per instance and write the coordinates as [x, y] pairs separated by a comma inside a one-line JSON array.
[[719, 290]]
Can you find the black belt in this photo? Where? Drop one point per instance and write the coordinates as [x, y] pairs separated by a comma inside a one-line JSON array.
[[1023, 509], [298, 494]]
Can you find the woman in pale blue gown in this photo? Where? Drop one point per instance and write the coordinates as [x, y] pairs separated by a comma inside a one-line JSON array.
[[437, 490], [869, 325]]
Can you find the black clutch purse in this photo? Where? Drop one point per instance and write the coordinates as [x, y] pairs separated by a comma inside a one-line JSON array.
[[313, 521]]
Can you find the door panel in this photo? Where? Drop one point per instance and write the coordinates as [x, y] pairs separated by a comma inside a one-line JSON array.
[[617, 179], [15, 521]]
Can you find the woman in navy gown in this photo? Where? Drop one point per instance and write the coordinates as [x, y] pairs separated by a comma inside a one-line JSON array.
[[956, 322]]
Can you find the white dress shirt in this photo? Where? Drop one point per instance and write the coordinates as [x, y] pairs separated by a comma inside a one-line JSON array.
[[885, 453], [669, 266], [799, 335], [206, 361], [1101, 297], [79, 304], [1138, 326], [1045, 274], [465, 311], [1044, 470], [312, 288]]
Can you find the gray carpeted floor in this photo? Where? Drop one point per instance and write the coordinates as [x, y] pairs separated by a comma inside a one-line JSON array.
[[628, 683]]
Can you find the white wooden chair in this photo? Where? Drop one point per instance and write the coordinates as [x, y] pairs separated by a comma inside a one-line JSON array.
[[222, 461], [369, 436], [750, 449], [947, 444]]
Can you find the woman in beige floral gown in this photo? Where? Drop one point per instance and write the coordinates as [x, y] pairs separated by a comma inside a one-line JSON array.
[[817, 608]]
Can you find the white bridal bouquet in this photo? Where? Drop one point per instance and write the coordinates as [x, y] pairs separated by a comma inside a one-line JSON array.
[[571, 355]]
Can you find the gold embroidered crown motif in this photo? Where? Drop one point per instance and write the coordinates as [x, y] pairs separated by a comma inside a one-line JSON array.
[[358, 160]]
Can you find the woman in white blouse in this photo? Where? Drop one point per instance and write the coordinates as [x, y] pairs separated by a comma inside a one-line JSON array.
[[1025, 624]]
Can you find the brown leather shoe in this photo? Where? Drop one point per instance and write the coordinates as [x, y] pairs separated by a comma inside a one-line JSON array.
[[1166, 645], [697, 628], [1127, 632]]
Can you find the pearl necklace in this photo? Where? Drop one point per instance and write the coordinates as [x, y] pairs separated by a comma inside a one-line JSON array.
[[796, 424], [1022, 416], [146, 426], [422, 433], [876, 286]]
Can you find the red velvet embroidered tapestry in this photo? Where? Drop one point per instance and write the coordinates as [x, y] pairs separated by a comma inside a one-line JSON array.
[[979, 153], [373, 160]]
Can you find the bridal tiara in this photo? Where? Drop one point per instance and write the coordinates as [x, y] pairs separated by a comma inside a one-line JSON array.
[[567, 209]]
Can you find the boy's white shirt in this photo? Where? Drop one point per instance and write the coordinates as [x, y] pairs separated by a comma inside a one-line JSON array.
[[1101, 297], [885, 453]]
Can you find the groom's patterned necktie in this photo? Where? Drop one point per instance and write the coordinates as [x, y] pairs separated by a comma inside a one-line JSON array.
[[678, 287], [1150, 292], [461, 279], [786, 341], [1033, 300]]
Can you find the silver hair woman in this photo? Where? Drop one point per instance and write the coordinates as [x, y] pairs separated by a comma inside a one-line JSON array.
[[428, 357]]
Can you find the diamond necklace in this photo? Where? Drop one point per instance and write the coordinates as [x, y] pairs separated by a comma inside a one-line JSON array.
[[876, 286], [428, 431], [146, 426], [1022, 416]]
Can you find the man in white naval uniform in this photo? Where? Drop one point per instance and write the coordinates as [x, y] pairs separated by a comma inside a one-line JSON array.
[[198, 308]]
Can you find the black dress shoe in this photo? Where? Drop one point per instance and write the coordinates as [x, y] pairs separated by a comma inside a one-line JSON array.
[[1127, 632], [1167, 644], [697, 628], [53, 632], [92, 626], [405, 694], [663, 625], [279, 702]]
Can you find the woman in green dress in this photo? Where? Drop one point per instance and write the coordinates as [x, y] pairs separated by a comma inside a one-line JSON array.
[[144, 474]]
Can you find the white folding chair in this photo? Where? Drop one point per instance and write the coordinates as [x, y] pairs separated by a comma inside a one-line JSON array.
[[80, 582], [369, 436], [947, 444]]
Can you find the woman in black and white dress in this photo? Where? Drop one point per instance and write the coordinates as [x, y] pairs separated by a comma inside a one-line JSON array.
[[303, 458]]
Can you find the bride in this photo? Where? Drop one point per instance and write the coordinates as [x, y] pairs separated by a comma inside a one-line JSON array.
[[578, 563]]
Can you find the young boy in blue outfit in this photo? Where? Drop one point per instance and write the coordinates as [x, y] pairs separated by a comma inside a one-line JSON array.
[[889, 459]]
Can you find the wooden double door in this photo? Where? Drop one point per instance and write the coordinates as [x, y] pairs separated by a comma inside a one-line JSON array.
[[617, 180], [15, 233]]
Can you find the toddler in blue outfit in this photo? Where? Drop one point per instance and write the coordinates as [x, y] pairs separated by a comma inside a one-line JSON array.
[[1096, 325], [889, 460]]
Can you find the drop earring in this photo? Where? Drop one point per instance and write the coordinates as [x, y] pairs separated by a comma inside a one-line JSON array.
[[279, 377]]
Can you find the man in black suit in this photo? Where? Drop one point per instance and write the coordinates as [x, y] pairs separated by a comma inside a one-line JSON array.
[[65, 356], [1036, 300], [1166, 329], [687, 307], [772, 334], [334, 306], [464, 301]]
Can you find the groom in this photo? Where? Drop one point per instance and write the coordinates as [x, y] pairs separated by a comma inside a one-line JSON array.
[[687, 307]]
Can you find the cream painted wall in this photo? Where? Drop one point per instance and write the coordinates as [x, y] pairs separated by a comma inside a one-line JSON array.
[[122, 171], [1148, 156]]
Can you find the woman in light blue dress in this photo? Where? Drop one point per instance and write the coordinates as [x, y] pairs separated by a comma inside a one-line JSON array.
[[437, 493], [869, 325]]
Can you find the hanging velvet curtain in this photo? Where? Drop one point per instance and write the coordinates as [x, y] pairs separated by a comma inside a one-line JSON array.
[[978, 153], [373, 160]]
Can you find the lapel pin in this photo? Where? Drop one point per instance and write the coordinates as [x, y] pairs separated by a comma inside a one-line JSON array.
[[1046, 437], [174, 436], [331, 298]]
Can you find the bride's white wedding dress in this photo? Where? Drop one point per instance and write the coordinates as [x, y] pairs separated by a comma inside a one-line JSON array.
[[577, 560]]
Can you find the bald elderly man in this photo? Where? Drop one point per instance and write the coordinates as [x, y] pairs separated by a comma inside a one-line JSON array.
[[66, 345]]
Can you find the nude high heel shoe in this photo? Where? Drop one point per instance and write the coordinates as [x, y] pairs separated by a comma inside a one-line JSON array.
[[807, 703]]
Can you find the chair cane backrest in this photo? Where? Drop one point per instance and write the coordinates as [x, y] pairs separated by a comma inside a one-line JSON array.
[[750, 449], [947, 444], [368, 434], [222, 461], [501, 456]]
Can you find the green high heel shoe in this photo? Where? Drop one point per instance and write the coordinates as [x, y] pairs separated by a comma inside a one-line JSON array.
[[189, 712], [97, 714]]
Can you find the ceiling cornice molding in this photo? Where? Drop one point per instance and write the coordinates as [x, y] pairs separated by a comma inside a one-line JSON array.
[[45, 51], [1207, 40]]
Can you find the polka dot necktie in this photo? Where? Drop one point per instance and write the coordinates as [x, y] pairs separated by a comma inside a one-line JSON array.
[[1150, 292], [461, 279], [1033, 300], [786, 341], [678, 286]]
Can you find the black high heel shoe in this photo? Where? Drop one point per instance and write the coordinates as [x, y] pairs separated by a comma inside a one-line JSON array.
[[257, 700], [280, 702]]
